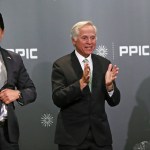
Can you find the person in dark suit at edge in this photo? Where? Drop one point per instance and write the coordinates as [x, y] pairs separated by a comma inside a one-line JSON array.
[[15, 85], [81, 83]]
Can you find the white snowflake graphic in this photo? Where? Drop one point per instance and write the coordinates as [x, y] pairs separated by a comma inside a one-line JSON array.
[[144, 145], [101, 51], [46, 120]]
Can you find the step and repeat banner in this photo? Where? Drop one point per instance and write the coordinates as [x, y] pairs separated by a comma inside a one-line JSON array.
[[40, 32]]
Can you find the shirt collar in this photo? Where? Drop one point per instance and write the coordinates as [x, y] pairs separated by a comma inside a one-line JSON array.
[[81, 58]]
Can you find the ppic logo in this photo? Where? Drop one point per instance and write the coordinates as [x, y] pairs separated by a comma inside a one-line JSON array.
[[27, 53], [143, 50]]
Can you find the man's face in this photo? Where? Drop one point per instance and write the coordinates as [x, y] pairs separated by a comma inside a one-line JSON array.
[[1, 34], [85, 42]]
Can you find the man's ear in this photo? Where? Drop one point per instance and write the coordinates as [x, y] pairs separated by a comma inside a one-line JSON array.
[[1, 34], [73, 41]]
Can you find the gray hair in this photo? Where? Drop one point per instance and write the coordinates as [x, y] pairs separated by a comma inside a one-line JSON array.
[[78, 25]]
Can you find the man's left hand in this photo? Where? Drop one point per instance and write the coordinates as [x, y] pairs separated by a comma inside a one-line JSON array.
[[110, 76], [8, 95]]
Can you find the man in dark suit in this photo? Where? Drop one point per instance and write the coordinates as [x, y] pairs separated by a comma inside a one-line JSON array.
[[15, 85], [81, 83]]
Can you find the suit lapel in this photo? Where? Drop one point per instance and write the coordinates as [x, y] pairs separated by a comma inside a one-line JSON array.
[[97, 71], [8, 63], [76, 65]]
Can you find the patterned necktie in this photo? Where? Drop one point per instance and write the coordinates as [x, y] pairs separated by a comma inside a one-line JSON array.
[[90, 81]]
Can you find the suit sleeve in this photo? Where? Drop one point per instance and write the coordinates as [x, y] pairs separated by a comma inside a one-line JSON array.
[[115, 98], [63, 94], [25, 85]]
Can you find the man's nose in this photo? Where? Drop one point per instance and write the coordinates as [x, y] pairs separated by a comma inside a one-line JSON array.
[[89, 40]]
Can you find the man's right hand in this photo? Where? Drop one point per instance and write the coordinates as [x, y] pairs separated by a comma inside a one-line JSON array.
[[85, 77]]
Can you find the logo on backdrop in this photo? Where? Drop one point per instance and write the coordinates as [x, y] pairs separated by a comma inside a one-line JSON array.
[[104, 51], [28, 53], [141, 50], [101, 50], [46, 120], [144, 145], [133, 50]]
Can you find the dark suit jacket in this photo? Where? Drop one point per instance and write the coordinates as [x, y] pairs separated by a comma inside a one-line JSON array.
[[81, 110], [17, 78]]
